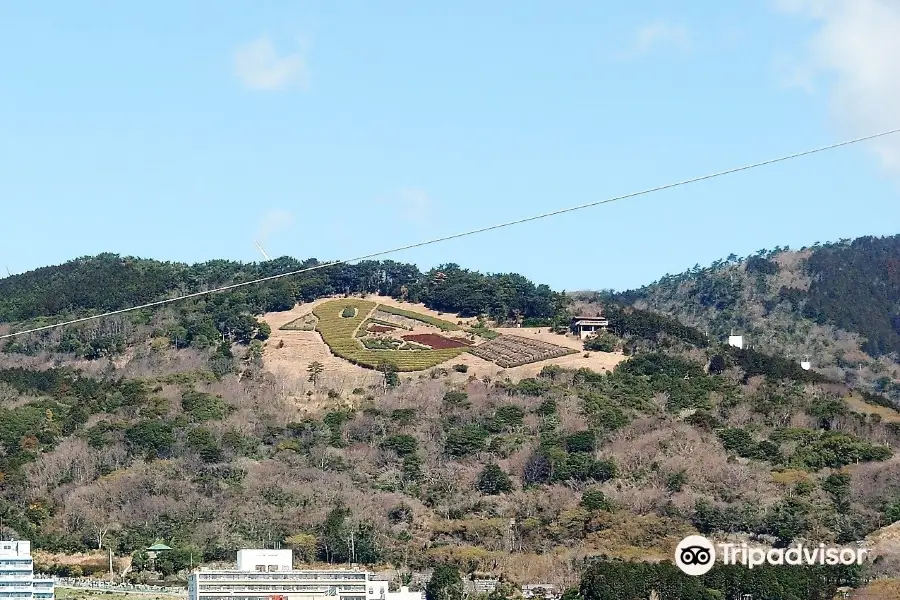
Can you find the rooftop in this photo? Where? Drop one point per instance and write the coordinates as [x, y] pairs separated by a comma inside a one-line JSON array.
[[158, 547]]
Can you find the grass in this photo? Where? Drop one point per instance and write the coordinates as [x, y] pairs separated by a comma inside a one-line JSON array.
[[859, 405], [77, 594], [339, 334], [439, 323], [488, 334]]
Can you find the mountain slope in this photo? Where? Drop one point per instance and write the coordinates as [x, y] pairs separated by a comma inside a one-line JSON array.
[[838, 304], [188, 438]]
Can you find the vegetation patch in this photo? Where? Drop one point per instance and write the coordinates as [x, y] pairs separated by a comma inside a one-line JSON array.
[[338, 333], [428, 320], [484, 332]]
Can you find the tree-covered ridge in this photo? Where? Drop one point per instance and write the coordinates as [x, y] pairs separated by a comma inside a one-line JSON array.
[[856, 286], [853, 285], [108, 282], [836, 305]]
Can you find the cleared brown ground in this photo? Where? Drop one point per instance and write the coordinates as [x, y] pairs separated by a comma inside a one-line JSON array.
[[303, 347], [882, 589]]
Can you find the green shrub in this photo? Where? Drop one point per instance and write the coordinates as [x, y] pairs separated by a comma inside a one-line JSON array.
[[602, 342], [675, 481], [582, 441], [593, 499], [403, 416], [203, 407], [465, 440], [156, 437], [402, 444], [204, 443], [506, 418], [493, 480], [456, 398]]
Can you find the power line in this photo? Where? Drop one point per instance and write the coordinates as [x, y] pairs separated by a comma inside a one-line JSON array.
[[463, 234]]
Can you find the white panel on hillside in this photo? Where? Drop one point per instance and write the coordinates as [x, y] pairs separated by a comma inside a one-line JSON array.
[[805, 365], [736, 341]]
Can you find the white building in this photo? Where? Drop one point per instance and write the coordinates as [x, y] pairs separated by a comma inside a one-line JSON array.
[[736, 341], [269, 575], [17, 581], [585, 327]]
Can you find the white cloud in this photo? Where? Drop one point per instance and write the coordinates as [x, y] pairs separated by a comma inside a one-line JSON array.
[[857, 45], [259, 66], [661, 34]]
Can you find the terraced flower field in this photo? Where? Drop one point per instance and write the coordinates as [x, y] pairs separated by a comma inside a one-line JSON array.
[[339, 333], [414, 316], [436, 341], [514, 351]]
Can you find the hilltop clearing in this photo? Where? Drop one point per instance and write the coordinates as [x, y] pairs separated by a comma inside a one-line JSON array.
[[297, 340]]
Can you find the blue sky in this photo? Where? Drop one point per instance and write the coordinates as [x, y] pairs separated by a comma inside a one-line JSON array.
[[187, 130]]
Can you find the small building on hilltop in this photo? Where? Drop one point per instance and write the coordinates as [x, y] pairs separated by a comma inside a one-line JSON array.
[[584, 326]]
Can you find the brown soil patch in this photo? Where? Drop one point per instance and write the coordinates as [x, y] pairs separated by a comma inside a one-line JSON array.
[[438, 342]]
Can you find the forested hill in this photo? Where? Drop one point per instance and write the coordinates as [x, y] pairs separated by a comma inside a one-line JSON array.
[[188, 436], [837, 303], [109, 282]]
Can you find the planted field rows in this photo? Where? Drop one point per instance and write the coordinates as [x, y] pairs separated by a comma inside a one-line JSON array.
[[428, 320], [338, 332], [513, 351]]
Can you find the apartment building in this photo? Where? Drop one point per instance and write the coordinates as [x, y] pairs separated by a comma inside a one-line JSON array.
[[17, 580], [269, 575]]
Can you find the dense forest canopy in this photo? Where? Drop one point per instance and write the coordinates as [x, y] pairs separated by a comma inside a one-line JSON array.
[[109, 282]]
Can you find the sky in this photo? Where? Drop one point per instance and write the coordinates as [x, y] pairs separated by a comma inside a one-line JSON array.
[[186, 131]]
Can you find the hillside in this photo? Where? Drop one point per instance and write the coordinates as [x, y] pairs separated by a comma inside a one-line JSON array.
[[837, 304], [205, 424]]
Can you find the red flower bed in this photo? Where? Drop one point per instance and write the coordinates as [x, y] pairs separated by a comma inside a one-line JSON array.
[[380, 328], [437, 342]]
